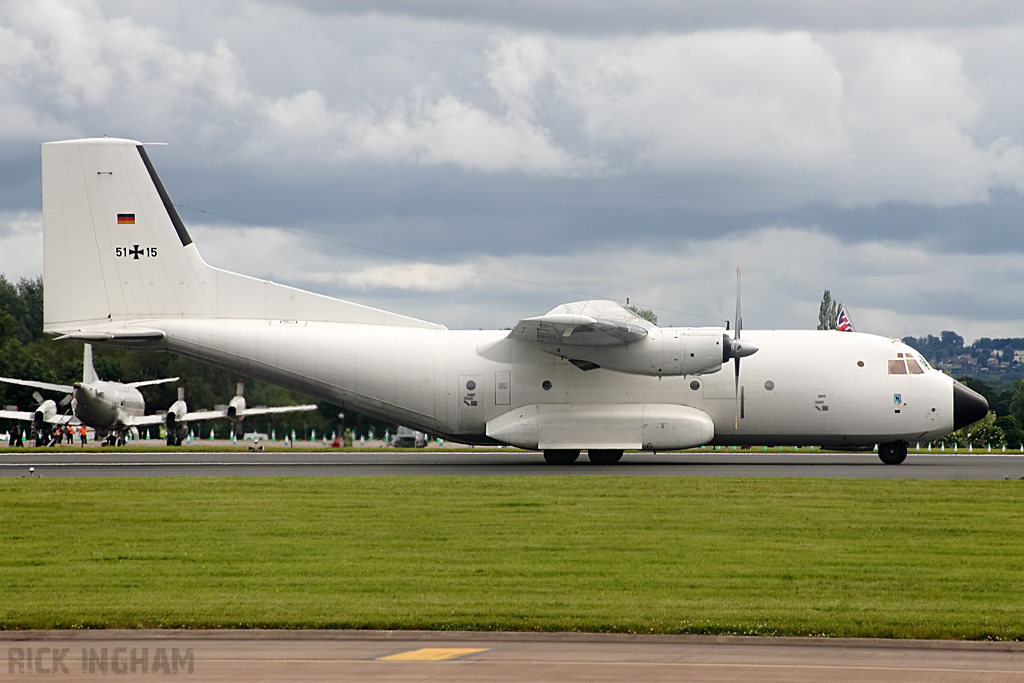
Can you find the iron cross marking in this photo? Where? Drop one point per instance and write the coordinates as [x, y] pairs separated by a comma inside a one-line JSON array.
[[135, 252]]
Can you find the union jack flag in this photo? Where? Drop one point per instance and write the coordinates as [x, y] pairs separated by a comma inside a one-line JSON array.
[[843, 323]]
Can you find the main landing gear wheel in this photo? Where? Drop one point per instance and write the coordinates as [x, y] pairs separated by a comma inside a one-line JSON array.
[[561, 456], [892, 453], [604, 456]]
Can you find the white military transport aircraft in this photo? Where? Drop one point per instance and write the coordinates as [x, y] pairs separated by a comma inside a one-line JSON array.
[[121, 268], [115, 408]]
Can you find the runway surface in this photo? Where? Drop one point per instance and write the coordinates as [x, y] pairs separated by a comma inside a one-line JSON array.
[[16, 463], [461, 656]]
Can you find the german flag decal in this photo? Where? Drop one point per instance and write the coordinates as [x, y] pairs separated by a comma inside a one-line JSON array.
[[126, 219]]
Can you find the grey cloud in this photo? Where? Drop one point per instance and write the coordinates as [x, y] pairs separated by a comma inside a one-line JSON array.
[[603, 17], [591, 153]]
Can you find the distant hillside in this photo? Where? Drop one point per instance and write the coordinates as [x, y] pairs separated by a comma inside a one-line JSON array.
[[999, 362]]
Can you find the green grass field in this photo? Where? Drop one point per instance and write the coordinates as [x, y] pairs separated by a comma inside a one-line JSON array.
[[900, 558]]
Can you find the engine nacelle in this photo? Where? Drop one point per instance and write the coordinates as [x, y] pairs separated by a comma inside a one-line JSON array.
[[236, 406], [46, 410], [176, 413], [666, 351], [177, 428]]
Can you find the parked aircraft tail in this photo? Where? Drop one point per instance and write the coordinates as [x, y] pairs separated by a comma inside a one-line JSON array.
[[88, 370], [116, 250]]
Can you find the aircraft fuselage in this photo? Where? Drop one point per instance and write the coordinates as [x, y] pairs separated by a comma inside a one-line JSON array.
[[797, 390], [107, 406]]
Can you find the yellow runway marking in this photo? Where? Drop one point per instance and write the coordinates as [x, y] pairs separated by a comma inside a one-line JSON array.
[[431, 654]]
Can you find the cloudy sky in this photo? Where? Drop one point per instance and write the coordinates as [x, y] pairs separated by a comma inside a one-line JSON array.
[[473, 162]]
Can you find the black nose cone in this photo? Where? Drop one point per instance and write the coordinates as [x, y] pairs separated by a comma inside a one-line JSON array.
[[968, 406]]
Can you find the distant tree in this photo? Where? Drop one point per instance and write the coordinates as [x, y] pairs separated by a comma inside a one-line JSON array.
[[828, 312], [1017, 402], [645, 313], [982, 433], [24, 302], [1012, 430], [951, 339]]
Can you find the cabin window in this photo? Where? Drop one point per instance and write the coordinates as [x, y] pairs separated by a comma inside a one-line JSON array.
[[914, 368], [897, 367], [695, 385]]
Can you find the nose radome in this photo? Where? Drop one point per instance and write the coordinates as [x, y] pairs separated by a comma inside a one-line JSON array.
[[968, 406]]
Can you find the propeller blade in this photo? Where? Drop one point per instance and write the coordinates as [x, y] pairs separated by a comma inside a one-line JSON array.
[[37, 396], [739, 320], [737, 362], [735, 348], [66, 400], [736, 358]]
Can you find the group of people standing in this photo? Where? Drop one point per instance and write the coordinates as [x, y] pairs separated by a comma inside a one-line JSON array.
[[67, 432], [56, 436]]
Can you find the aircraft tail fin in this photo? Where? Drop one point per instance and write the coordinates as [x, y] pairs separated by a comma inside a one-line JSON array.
[[115, 250], [88, 370]]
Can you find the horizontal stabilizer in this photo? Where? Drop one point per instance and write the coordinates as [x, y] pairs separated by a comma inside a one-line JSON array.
[[38, 385], [122, 336]]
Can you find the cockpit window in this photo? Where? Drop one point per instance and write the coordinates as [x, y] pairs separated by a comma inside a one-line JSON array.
[[897, 367], [914, 368]]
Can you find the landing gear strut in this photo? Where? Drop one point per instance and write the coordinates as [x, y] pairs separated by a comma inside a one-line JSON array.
[[892, 453], [561, 456]]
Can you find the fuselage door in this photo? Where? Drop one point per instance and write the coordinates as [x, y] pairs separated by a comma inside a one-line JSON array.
[[502, 388]]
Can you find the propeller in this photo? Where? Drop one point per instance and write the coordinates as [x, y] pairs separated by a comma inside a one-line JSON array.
[[736, 348]]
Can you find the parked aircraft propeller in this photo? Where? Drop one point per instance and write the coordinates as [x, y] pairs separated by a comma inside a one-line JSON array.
[[736, 348]]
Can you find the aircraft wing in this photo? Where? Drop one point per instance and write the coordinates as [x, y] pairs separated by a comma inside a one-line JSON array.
[[203, 415], [200, 415], [38, 385], [145, 420], [584, 323], [150, 382], [30, 415], [276, 410]]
